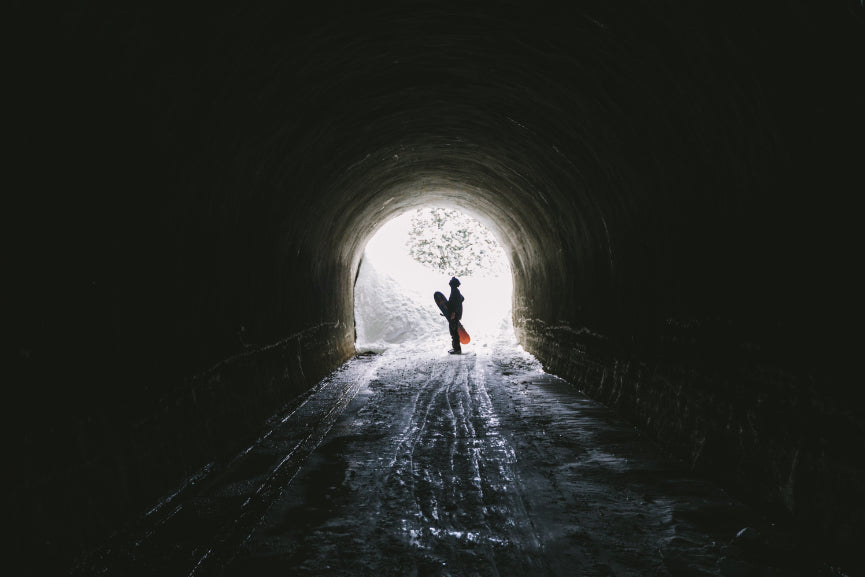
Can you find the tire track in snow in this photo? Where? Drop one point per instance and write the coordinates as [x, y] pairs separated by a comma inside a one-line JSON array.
[[421, 476], [457, 485]]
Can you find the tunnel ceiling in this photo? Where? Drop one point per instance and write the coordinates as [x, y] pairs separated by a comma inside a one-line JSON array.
[[644, 163], [421, 107], [188, 174], [595, 139]]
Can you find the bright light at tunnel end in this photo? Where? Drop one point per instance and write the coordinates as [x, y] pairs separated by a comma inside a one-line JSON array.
[[394, 292]]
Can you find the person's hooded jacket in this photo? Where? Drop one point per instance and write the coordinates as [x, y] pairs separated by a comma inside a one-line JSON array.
[[455, 301]]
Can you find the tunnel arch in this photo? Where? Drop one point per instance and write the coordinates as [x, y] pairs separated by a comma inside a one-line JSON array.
[[674, 182], [536, 250]]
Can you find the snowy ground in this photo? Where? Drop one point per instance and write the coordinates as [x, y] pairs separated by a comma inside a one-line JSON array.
[[485, 465], [416, 462]]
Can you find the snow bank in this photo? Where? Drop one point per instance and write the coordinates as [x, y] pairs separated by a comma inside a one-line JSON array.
[[388, 312]]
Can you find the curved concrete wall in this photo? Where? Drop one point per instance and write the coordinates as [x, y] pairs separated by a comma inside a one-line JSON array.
[[672, 185]]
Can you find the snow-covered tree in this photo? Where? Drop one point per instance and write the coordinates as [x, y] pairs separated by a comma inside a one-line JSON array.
[[453, 243]]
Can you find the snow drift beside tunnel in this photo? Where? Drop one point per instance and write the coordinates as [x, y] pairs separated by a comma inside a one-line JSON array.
[[387, 312]]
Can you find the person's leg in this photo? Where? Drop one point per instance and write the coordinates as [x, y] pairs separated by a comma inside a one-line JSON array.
[[455, 336]]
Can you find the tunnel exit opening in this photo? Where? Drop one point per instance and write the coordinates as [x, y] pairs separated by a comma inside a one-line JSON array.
[[415, 254]]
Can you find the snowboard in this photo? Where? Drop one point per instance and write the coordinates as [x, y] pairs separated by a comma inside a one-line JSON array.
[[442, 302]]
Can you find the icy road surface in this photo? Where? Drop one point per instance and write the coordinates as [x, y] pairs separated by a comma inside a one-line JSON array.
[[416, 462]]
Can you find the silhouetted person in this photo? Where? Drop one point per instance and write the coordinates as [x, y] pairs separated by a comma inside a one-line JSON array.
[[455, 313]]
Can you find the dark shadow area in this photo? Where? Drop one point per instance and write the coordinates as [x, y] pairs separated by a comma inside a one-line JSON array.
[[191, 191]]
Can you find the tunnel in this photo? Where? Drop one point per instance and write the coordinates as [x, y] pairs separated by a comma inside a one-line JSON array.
[[673, 183]]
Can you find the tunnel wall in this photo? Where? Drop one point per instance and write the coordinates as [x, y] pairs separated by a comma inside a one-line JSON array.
[[708, 327], [768, 435], [673, 184]]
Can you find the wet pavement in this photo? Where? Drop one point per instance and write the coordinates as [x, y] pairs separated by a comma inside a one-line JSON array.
[[415, 462]]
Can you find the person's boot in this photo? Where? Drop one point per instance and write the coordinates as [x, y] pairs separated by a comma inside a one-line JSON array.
[[455, 351]]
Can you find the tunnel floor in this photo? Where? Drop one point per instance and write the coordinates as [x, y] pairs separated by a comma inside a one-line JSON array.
[[415, 462]]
